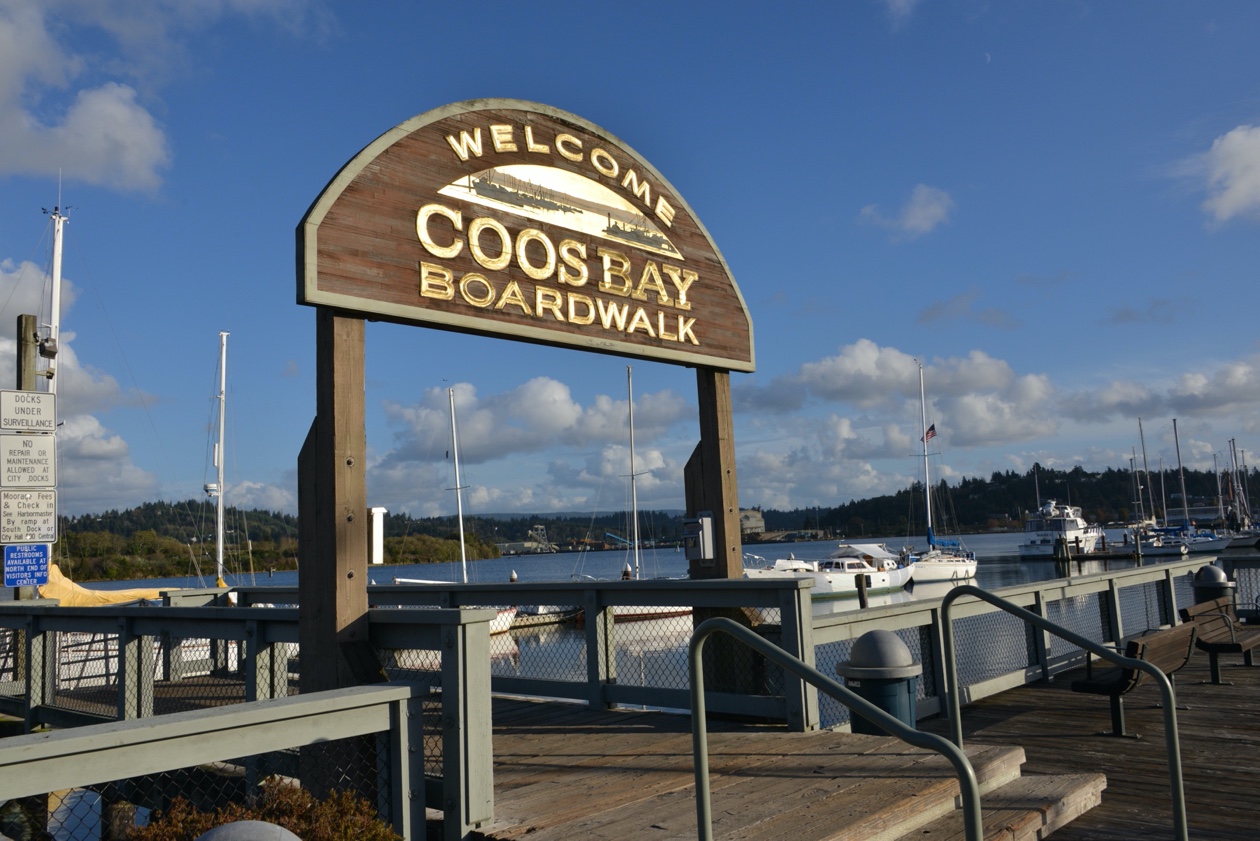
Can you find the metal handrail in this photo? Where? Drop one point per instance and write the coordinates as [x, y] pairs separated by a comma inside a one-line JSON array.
[[968, 786], [1171, 737]]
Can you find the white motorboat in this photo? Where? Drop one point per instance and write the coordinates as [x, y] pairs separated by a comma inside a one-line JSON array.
[[837, 575], [1055, 521]]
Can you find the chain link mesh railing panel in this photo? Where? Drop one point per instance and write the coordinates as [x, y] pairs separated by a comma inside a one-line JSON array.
[[990, 645], [11, 643], [360, 765], [652, 651], [1247, 587], [548, 644], [1087, 616], [196, 673], [1142, 608], [86, 671]]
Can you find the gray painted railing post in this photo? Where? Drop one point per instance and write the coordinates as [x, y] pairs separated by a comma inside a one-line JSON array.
[[1041, 640], [601, 663], [41, 669], [1115, 621], [796, 621], [936, 669], [1170, 596], [135, 673], [467, 751], [260, 666], [406, 774]]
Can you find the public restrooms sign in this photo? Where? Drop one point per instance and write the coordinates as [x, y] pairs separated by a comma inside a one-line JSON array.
[[514, 219]]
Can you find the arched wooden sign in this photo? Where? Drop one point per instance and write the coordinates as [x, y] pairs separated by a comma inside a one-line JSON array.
[[514, 219]]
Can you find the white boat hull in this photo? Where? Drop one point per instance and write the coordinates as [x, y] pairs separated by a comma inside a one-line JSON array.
[[927, 570], [837, 581]]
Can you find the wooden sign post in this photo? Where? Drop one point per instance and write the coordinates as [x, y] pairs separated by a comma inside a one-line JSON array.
[[503, 218]]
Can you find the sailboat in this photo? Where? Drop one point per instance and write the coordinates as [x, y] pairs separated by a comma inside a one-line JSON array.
[[1186, 534], [505, 616], [945, 560], [628, 612]]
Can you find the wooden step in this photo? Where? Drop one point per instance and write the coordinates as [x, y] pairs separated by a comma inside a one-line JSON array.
[[1027, 809], [870, 800]]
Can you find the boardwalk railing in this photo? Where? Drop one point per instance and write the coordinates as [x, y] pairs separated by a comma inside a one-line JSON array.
[[609, 661], [145, 664], [1172, 739], [98, 755], [969, 787]]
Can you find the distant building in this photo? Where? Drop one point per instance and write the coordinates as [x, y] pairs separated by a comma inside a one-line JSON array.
[[751, 522]]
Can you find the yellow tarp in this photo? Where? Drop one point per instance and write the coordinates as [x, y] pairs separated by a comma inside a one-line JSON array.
[[75, 595]]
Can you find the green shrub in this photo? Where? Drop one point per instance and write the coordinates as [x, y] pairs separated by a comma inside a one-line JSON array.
[[342, 817]]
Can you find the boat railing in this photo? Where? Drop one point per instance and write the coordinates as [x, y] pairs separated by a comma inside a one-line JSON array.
[[968, 785], [1172, 739]]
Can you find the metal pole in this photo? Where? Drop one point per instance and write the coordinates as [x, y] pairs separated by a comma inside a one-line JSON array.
[[459, 489], [634, 495], [218, 462]]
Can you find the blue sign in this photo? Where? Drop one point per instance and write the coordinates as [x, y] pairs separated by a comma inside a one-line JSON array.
[[26, 564]]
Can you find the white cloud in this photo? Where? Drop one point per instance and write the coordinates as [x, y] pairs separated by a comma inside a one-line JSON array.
[[248, 495], [925, 210], [81, 112], [900, 10], [1232, 169], [94, 469], [94, 464]]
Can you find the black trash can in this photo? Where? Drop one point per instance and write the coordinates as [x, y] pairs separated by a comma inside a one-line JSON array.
[[882, 670], [1210, 583]]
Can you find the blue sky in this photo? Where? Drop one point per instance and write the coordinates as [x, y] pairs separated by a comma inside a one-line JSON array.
[[1054, 205]]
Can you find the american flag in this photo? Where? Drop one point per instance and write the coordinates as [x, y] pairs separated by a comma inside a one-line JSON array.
[[930, 434]]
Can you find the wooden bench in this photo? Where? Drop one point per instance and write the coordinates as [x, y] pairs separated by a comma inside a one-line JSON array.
[[1220, 632], [1168, 650]]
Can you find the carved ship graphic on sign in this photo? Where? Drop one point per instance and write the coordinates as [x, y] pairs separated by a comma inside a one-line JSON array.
[[565, 199]]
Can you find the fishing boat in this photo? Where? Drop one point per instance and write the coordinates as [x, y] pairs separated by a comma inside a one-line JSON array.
[[1054, 522], [944, 560]]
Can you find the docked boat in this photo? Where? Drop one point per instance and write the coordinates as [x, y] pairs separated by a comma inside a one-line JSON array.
[[1195, 540], [1055, 521], [837, 575], [944, 560]]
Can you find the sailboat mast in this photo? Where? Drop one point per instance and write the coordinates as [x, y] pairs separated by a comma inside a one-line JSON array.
[[927, 481], [1146, 469], [218, 462], [1185, 500], [459, 489], [54, 316], [634, 496]]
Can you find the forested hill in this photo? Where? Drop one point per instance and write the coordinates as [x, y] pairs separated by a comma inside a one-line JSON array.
[[973, 505]]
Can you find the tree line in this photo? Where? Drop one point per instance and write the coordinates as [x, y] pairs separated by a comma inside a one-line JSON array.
[[166, 539]]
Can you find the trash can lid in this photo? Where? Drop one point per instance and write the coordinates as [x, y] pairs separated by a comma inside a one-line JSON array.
[[248, 831], [879, 655], [1210, 575]]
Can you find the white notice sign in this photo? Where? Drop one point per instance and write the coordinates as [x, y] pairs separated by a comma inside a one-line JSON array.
[[28, 516], [28, 411], [28, 461]]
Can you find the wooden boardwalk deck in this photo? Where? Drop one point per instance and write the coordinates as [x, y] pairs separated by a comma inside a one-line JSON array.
[[562, 772], [1220, 751]]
